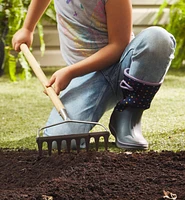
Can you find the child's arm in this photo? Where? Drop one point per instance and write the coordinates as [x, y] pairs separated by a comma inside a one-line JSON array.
[[25, 34], [119, 24]]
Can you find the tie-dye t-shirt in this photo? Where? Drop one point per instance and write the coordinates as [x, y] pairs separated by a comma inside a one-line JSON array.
[[82, 28]]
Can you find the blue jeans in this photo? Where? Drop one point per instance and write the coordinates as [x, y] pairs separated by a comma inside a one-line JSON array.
[[148, 56]]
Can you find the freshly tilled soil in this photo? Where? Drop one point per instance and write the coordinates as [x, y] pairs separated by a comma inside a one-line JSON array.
[[92, 175]]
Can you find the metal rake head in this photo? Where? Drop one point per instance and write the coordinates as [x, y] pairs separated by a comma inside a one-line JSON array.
[[68, 138]]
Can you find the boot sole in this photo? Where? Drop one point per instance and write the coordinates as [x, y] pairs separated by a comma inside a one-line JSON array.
[[128, 146]]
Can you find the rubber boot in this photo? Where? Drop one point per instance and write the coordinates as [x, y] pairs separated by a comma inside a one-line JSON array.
[[125, 121]]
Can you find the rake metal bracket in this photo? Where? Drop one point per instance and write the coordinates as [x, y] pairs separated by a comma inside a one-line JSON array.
[[69, 138]]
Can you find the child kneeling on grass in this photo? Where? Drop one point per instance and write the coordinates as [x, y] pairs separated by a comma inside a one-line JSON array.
[[107, 67]]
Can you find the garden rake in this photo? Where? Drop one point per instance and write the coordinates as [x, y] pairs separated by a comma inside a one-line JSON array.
[[63, 113]]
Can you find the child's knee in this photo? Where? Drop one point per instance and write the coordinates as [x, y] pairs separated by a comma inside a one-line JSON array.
[[160, 39]]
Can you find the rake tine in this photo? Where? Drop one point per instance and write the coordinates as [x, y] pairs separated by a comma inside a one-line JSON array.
[[39, 143], [68, 143], [87, 141], [106, 140], [78, 144], [59, 146], [49, 147], [97, 141]]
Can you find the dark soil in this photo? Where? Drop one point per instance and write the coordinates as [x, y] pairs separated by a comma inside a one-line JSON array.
[[91, 176]]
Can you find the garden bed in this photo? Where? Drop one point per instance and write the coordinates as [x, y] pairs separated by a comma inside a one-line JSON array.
[[91, 176]]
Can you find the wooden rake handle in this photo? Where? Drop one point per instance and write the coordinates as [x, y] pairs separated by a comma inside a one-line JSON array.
[[42, 78]]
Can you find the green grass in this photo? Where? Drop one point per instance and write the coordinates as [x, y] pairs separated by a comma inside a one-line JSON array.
[[24, 108]]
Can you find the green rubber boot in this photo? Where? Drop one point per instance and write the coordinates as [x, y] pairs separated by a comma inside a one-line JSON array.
[[125, 121]]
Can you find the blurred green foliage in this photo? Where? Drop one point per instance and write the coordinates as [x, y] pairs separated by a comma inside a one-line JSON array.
[[176, 26], [12, 15]]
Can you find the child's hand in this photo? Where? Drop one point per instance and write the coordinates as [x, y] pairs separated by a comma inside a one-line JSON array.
[[60, 79], [22, 36]]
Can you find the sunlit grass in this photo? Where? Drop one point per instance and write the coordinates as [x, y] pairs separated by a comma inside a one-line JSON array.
[[24, 108]]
